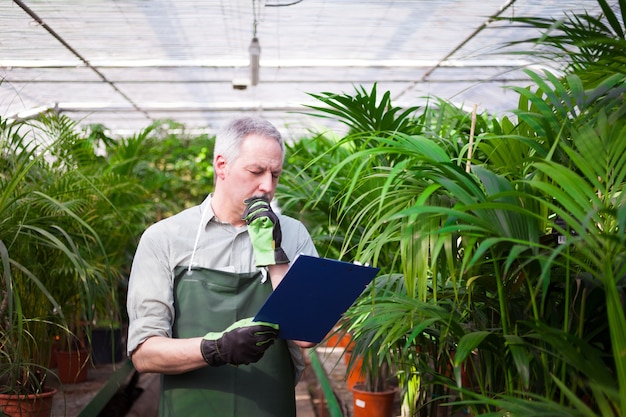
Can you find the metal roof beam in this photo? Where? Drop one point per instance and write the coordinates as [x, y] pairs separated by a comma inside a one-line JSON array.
[[58, 37]]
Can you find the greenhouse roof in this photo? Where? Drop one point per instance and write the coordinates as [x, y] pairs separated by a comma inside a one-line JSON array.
[[127, 63]]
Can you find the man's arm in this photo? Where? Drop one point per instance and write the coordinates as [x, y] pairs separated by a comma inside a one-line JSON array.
[[277, 273], [242, 343], [168, 356]]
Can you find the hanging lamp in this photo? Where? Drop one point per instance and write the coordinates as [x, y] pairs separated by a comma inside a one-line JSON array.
[[254, 49], [255, 55]]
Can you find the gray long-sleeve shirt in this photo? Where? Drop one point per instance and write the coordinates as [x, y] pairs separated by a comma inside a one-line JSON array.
[[169, 243]]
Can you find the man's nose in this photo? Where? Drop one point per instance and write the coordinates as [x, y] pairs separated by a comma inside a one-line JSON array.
[[267, 182]]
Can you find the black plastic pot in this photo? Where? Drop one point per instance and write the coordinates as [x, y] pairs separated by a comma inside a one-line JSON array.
[[106, 345]]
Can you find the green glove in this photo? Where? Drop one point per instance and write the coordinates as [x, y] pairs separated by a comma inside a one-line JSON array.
[[242, 343], [264, 231]]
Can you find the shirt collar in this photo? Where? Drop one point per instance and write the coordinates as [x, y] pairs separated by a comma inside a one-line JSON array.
[[209, 215], [206, 210]]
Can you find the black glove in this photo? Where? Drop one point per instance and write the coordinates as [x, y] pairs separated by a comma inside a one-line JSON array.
[[265, 233], [242, 343]]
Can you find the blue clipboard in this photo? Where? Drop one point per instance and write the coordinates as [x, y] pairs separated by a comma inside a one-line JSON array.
[[313, 295]]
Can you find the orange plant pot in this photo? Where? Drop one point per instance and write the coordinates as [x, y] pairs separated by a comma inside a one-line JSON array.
[[332, 340], [355, 375], [73, 365], [372, 404], [337, 339], [30, 405]]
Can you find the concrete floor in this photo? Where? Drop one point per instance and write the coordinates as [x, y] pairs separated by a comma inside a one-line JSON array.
[[147, 403], [72, 398]]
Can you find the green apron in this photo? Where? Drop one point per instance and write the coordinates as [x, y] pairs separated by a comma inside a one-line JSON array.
[[208, 300]]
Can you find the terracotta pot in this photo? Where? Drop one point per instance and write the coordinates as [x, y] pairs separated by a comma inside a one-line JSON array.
[[355, 375], [337, 339], [28, 405], [73, 365], [53, 353], [372, 404], [332, 340]]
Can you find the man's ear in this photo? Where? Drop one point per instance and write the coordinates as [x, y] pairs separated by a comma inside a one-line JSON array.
[[219, 167]]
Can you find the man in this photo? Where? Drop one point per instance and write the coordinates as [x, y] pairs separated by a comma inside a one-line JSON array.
[[199, 276]]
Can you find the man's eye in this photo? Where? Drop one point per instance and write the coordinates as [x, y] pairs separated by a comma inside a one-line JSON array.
[[275, 175]]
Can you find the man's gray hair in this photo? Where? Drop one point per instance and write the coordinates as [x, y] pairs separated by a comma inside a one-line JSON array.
[[228, 140]]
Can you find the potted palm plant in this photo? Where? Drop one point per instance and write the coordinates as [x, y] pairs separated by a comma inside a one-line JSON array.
[[353, 180], [27, 311], [486, 287], [23, 364], [374, 390], [43, 241]]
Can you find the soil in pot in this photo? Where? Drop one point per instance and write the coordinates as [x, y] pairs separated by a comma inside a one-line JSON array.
[[27, 405]]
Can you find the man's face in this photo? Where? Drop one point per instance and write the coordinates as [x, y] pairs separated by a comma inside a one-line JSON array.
[[255, 173]]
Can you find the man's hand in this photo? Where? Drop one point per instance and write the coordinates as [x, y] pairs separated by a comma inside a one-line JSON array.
[[265, 233], [244, 342]]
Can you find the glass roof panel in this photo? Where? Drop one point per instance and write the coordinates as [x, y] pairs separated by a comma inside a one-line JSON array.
[[126, 63]]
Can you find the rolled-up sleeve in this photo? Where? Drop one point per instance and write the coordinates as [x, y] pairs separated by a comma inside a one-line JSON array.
[[150, 300]]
